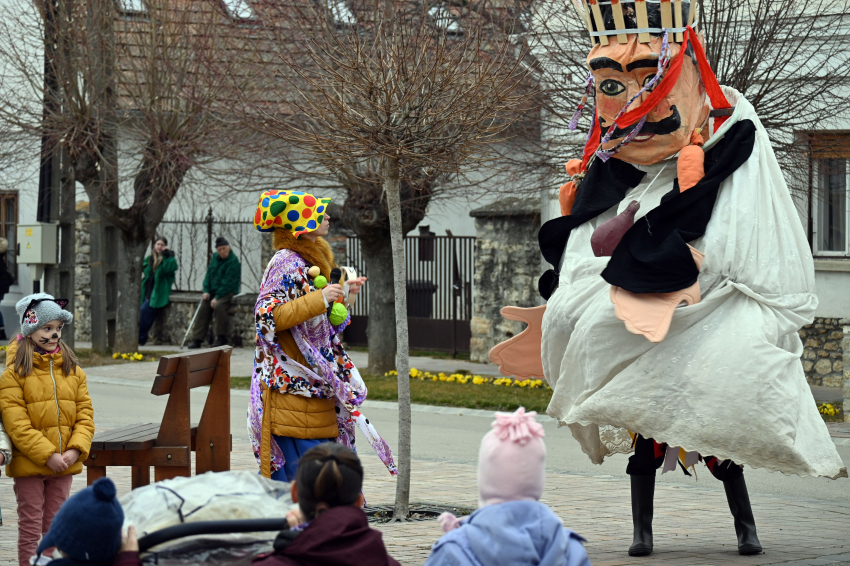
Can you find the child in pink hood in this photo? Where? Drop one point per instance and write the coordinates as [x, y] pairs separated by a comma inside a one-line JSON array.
[[511, 526]]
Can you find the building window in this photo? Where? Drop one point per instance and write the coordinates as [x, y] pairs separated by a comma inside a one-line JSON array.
[[9, 229], [444, 19], [240, 10], [341, 13], [132, 7], [830, 207]]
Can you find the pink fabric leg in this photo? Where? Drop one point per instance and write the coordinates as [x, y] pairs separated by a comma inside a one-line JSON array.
[[57, 489], [29, 493]]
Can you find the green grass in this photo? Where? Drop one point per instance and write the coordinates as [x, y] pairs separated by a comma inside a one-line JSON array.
[[489, 397], [421, 353]]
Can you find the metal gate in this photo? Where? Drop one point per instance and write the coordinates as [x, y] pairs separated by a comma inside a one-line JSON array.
[[192, 241], [439, 292]]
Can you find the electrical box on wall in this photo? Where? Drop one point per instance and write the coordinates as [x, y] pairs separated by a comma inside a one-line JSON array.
[[37, 243]]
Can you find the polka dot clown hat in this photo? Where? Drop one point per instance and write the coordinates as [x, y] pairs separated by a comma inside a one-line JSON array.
[[295, 211]]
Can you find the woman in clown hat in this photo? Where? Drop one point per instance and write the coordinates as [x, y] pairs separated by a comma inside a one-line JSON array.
[[304, 390]]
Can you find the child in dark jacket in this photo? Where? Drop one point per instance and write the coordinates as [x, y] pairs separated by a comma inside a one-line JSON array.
[[87, 531], [511, 527], [328, 489]]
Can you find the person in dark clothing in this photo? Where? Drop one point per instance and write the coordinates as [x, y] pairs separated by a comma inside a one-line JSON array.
[[222, 282], [6, 281], [157, 279], [328, 490], [649, 456]]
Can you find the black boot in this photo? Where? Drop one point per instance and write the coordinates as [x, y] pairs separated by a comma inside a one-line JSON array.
[[643, 494], [745, 524], [220, 341], [194, 344]]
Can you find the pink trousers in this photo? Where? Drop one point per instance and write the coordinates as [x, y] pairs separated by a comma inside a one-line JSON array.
[[39, 498]]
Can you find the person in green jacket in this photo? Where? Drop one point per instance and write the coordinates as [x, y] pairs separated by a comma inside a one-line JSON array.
[[157, 279], [222, 282]]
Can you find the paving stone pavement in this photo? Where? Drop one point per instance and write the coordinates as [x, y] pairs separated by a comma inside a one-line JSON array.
[[692, 524]]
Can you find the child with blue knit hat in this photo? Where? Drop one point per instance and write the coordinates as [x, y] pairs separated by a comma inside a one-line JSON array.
[[87, 530]]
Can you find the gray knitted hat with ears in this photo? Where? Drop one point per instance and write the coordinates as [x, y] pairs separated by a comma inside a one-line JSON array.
[[36, 310]]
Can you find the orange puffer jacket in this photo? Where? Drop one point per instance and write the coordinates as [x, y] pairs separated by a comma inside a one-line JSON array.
[[44, 413]]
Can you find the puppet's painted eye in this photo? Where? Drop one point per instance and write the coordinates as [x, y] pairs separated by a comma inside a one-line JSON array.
[[610, 87], [648, 78]]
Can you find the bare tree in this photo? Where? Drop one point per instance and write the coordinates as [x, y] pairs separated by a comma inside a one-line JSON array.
[[790, 59], [149, 90], [393, 97]]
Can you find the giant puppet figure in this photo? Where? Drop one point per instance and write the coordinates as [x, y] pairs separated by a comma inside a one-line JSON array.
[[681, 275]]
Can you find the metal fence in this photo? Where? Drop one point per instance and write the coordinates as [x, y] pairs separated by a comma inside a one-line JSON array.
[[193, 242], [439, 276]]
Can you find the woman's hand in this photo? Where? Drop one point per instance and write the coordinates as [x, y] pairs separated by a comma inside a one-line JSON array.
[[332, 293], [2, 458], [355, 285], [57, 463], [129, 543]]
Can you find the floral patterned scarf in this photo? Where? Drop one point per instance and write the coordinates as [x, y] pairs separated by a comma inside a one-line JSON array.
[[331, 374]]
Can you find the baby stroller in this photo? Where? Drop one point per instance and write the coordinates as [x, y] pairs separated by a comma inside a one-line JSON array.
[[224, 518]]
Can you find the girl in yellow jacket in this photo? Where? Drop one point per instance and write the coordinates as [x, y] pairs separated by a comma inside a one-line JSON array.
[[48, 414]]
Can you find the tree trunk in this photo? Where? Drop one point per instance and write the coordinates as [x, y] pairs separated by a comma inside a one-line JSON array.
[[391, 185], [381, 328], [129, 287]]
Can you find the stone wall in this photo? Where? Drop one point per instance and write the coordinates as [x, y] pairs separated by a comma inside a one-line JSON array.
[[174, 319], [82, 293], [823, 353], [506, 270]]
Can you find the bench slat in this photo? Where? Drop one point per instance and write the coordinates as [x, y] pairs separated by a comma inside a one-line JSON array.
[[202, 359], [101, 439], [137, 434], [162, 383], [141, 438], [143, 443], [148, 438], [120, 431]]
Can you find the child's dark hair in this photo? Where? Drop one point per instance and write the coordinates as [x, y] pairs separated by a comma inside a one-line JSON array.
[[329, 475]]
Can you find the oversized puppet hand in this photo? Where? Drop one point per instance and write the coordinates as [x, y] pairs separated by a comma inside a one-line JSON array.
[[650, 314], [520, 356]]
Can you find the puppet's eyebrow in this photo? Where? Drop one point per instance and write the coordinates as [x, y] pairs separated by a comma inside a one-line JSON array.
[[605, 63], [641, 63]]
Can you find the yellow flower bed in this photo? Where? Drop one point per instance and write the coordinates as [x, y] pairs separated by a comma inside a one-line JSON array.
[[473, 379], [135, 356], [827, 409]]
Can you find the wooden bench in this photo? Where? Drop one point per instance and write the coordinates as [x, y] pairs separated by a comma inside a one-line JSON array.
[[167, 446]]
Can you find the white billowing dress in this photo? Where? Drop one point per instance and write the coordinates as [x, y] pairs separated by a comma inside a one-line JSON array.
[[727, 380]]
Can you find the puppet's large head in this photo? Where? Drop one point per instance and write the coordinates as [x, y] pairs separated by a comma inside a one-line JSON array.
[[632, 58]]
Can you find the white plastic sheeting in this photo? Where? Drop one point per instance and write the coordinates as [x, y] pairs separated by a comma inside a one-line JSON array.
[[208, 497]]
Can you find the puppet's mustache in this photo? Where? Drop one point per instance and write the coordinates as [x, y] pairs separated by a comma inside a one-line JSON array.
[[662, 127]]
